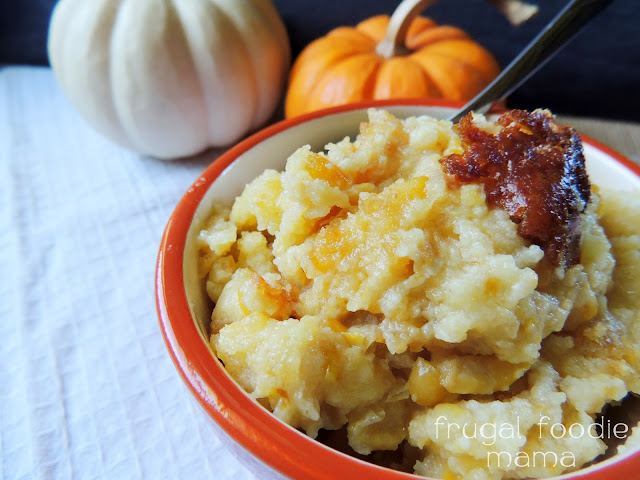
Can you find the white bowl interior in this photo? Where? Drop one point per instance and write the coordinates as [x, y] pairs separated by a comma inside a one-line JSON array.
[[272, 152]]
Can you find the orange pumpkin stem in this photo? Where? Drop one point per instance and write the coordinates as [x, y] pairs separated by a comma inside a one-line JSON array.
[[393, 42]]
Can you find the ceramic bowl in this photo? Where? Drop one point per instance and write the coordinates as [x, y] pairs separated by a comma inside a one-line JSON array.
[[265, 445]]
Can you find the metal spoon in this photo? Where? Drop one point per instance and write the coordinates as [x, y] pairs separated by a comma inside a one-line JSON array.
[[555, 35]]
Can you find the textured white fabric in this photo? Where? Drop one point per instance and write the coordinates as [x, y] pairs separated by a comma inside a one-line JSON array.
[[87, 389]]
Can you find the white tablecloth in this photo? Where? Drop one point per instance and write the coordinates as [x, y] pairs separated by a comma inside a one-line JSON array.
[[87, 389]]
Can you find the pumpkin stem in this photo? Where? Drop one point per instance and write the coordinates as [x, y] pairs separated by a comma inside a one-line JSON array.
[[393, 42]]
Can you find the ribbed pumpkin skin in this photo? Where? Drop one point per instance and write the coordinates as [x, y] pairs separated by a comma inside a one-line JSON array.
[[169, 78], [343, 66]]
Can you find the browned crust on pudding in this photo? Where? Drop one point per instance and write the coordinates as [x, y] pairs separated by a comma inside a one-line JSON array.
[[534, 169]]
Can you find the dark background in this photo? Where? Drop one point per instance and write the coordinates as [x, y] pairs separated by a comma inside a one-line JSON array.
[[597, 74]]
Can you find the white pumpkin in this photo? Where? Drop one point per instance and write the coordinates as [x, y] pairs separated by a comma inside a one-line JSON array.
[[169, 78]]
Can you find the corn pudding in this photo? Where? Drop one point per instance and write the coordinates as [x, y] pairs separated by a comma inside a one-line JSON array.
[[410, 290]]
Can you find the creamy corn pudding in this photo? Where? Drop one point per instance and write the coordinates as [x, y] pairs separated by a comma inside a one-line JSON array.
[[408, 290]]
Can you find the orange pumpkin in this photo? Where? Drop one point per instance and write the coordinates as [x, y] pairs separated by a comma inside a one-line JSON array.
[[423, 59]]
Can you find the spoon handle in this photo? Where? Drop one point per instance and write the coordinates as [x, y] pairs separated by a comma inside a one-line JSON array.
[[549, 41]]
